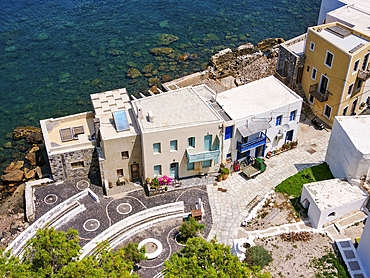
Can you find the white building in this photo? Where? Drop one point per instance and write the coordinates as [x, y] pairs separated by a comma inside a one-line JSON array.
[[180, 133], [331, 199], [363, 249], [264, 115], [348, 153]]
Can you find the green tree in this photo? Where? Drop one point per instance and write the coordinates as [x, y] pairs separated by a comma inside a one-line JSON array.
[[55, 254], [188, 230], [200, 258], [257, 256]]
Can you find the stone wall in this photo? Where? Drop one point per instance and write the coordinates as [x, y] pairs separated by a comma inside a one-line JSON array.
[[62, 168]]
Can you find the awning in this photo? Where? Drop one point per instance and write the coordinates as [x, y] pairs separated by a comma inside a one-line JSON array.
[[253, 127]]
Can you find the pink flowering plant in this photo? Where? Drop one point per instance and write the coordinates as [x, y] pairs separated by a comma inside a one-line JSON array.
[[165, 180]]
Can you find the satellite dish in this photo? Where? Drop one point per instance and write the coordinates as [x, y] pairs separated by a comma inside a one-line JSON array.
[[286, 127]]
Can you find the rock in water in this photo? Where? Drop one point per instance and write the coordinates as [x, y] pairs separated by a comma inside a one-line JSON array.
[[161, 50], [133, 73], [31, 158], [245, 49], [22, 132], [34, 138], [13, 176], [14, 166], [268, 43], [166, 39]]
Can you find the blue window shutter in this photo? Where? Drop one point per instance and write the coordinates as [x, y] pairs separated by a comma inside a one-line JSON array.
[[229, 132]]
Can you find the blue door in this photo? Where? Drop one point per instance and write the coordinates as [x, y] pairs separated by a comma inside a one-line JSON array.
[[289, 135], [260, 151], [207, 142], [174, 170]]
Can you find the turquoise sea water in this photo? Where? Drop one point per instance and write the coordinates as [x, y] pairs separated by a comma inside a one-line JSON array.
[[54, 54]]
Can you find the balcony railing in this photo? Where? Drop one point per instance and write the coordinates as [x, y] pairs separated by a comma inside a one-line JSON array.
[[242, 147], [201, 156], [363, 74], [317, 94]]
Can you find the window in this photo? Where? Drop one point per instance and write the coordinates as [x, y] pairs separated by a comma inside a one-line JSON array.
[[331, 214], [173, 145], [228, 155], [308, 68], [157, 170], [314, 72], [229, 132], [78, 164], [120, 173], [311, 98], [345, 111], [190, 166], [364, 63], [278, 120], [355, 66], [157, 148], [207, 163], [312, 46], [350, 89], [191, 142], [323, 84], [359, 85], [292, 115], [124, 154], [327, 111], [329, 59]]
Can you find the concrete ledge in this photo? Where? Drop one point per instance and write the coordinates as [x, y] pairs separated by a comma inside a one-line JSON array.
[[29, 196], [133, 224], [54, 218]]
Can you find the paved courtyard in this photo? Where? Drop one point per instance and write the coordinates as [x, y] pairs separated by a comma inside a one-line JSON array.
[[229, 208]]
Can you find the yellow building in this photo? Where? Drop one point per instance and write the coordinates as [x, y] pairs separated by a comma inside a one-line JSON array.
[[336, 68]]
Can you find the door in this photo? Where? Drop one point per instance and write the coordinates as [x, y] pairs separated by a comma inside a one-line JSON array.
[[289, 135], [260, 151], [135, 173], [299, 75], [174, 170], [207, 142], [324, 84]]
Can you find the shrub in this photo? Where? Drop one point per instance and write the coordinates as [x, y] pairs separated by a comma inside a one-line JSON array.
[[257, 256], [225, 171], [190, 229]]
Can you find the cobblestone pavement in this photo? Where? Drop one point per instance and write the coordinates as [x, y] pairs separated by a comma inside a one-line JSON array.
[[229, 208]]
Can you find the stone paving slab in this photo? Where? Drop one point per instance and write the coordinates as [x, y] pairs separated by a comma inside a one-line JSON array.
[[229, 208]]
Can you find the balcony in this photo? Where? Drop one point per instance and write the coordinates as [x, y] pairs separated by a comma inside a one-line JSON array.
[[317, 94], [363, 75], [242, 147], [201, 156]]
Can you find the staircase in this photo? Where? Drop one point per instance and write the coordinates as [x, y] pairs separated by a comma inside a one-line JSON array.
[[306, 109]]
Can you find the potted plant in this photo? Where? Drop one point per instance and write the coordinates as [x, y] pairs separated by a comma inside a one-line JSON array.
[[166, 188], [219, 177], [147, 180], [269, 153], [362, 105], [225, 173]]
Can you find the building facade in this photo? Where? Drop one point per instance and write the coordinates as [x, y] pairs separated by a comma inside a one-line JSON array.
[[336, 69]]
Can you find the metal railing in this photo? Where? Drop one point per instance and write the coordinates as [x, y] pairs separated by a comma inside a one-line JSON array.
[[242, 147], [317, 94]]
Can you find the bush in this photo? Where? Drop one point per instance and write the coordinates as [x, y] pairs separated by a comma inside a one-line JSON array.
[[189, 230], [257, 256], [225, 171]]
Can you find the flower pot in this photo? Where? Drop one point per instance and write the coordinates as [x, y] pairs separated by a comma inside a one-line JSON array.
[[224, 177], [219, 177]]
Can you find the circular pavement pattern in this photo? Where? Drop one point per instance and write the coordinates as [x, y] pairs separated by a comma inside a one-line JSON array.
[[82, 185], [157, 251], [91, 225], [124, 208], [50, 199]]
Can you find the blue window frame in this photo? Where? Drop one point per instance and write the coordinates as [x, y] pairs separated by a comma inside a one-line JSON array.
[[157, 148], [157, 170], [191, 142], [173, 145], [228, 155], [229, 132], [278, 120], [190, 166], [207, 163], [292, 115]]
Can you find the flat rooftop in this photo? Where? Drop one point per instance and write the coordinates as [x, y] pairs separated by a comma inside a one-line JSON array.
[[111, 101], [69, 133], [353, 17], [333, 193], [177, 108], [357, 129], [342, 36], [256, 97]]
